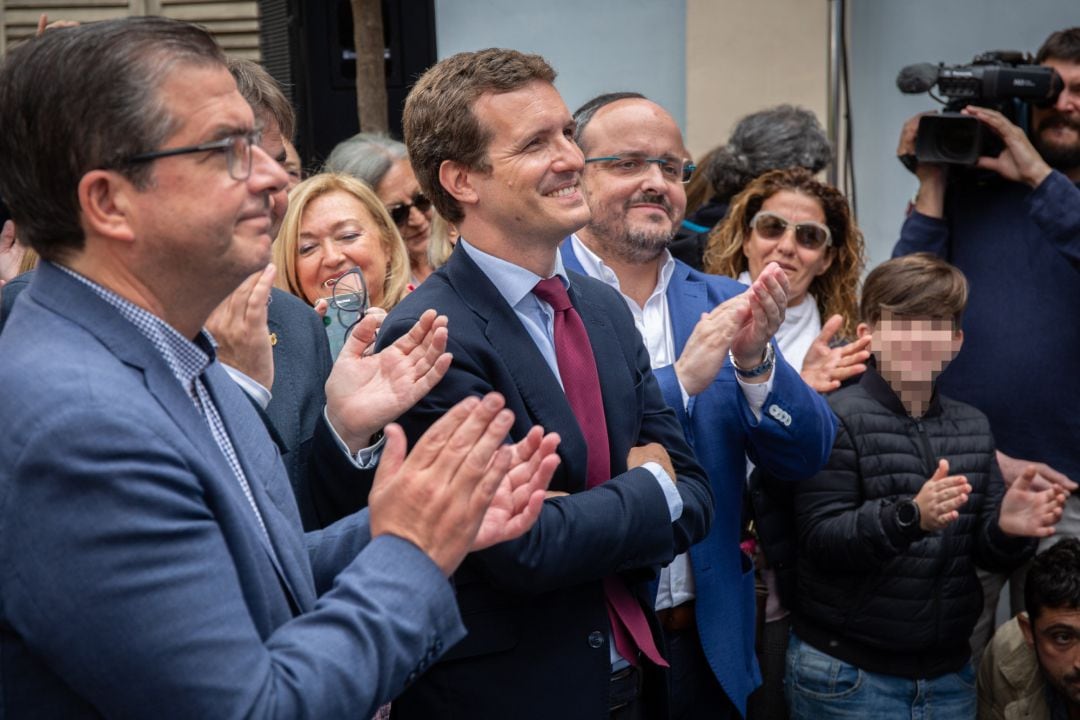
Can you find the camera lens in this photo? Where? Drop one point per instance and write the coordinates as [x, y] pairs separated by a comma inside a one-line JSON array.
[[948, 138], [957, 140]]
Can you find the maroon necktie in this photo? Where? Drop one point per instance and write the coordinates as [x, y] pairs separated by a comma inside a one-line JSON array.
[[581, 383]]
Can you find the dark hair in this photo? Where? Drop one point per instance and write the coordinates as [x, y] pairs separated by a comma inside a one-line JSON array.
[[82, 98], [835, 290], [584, 114], [439, 121], [1061, 45], [263, 94], [780, 137], [916, 285], [1053, 580]]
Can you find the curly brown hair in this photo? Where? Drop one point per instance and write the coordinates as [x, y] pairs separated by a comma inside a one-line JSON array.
[[836, 290]]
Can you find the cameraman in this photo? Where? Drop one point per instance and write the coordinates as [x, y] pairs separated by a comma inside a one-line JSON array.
[[1017, 238]]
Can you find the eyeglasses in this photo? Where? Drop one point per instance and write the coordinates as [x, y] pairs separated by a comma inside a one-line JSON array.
[[810, 235], [237, 149], [348, 298], [633, 165], [400, 213], [347, 303]]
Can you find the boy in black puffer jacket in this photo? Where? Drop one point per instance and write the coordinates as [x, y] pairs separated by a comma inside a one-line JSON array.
[[890, 532]]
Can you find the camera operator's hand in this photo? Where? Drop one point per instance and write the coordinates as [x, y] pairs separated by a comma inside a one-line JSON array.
[[1019, 161], [930, 200]]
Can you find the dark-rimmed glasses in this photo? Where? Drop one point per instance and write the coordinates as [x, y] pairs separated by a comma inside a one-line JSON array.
[[633, 165], [237, 149], [810, 235], [399, 213]]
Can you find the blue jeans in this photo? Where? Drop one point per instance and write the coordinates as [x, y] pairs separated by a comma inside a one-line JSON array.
[[819, 686]]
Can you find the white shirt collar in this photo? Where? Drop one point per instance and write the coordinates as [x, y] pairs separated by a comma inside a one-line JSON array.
[[596, 267]]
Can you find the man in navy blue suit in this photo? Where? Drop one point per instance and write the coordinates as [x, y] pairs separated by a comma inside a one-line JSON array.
[[548, 615], [152, 562], [709, 341]]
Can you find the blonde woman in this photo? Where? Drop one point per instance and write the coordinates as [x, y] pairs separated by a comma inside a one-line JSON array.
[[336, 223], [383, 164]]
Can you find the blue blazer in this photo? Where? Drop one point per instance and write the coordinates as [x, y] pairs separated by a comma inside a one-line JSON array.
[[134, 578], [792, 441], [327, 486], [534, 607], [9, 292]]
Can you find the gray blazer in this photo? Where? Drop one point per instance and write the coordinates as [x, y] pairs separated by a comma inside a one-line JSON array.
[[327, 486], [134, 578]]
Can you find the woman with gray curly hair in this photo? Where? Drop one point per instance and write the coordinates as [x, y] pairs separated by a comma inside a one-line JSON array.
[[776, 138]]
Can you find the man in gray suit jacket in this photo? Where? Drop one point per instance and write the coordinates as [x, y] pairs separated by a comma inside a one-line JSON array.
[[274, 345], [151, 557]]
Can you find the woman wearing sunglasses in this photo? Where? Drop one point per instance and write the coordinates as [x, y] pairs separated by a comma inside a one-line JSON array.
[[336, 223], [788, 217], [384, 165]]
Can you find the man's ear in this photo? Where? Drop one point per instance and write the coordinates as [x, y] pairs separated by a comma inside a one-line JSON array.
[[862, 330], [457, 179], [1025, 627], [105, 202]]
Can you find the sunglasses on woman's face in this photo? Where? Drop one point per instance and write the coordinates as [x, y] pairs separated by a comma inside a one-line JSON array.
[[810, 235], [400, 213]]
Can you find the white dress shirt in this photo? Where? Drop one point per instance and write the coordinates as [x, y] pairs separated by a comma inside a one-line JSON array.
[[654, 323]]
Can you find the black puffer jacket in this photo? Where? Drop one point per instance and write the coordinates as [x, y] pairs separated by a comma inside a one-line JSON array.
[[869, 594]]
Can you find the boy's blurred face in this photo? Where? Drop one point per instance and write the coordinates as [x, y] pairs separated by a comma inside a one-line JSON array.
[[914, 350]]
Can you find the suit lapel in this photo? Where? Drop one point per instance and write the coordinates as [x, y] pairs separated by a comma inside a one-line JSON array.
[[69, 297], [536, 384], [687, 299], [570, 258], [249, 439]]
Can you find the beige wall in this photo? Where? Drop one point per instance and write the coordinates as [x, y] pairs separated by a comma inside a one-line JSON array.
[[743, 56]]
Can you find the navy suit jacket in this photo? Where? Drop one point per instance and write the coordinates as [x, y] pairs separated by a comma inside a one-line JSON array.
[[134, 578], [534, 607], [327, 486], [792, 441]]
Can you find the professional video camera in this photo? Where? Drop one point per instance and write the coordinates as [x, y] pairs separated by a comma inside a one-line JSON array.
[[1004, 80]]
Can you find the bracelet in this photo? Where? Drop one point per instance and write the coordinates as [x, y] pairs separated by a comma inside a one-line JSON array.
[[765, 366]]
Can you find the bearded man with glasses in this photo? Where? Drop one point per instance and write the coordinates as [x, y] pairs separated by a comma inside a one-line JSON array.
[[710, 345]]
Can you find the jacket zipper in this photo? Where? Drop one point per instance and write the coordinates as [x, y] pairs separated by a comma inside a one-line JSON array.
[[931, 465]]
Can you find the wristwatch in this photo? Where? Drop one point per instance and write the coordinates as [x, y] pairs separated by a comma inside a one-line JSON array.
[[763, 367], [907, 516]]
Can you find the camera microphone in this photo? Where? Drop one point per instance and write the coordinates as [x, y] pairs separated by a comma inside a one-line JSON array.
[[918, 78]]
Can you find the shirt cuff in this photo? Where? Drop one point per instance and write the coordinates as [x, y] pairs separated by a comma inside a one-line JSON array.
[[365, 458], [756, 394], [253, 388], [682, 391], [667, 484]]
